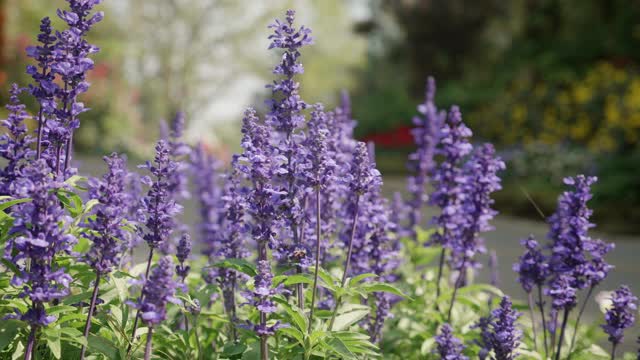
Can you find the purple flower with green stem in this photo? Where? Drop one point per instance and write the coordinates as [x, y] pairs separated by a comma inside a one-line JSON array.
[[71, 62], [157, 291], [182, 253], [39, 233], [158, 207], [504, 334], [258, 163], [620, 316], [421, 162], [448, 347], [287, 120], [362, 179], [448, 181], [475, 211], [15, 144], [533, 271], [106, 230]]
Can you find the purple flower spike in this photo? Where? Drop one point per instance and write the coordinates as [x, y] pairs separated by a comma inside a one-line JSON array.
[[621, 315], [421, 164], [532, 268], [15, 143], [504, 335], [39, 234], [449, 179], [106, 230], [449, 347], [159, 289], [182, 253], [562, 292], [159, 206]]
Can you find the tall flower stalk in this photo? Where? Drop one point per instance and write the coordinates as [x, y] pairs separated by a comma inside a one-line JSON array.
[[449, 181], [159, 207], [481, 180], [39, 233], [286, 119], [106, 230], [364, 177], [421, 162], [620, 316]]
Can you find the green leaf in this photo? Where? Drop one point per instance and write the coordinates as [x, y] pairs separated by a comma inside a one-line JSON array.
[[349, 315], [8, 204], [8, 331], [240, 265], [337, 346], [298, 279], [294, 333], [10, 265], [383, 287], [231, 349], [355, 280], [53, 342], [103, 346], [481, 287], [297, 316]]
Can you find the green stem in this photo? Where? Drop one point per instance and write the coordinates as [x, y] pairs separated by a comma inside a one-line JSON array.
[[347, 262], [562, 330], [92, 306], [575, 328], [135, 321], [544, 322], [314, 289], [147, 349], [533, 321]]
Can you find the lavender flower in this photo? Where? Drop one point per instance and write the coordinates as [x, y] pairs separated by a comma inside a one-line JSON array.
[[475, 210], [106, 230], [159, 205], [569, 231], [597, 268], [15, 143], [39, 233], [448, 346], [183, 252], [158, 290], [261, 298], [504, 335], [286, 119], [562, 292], [44, 87], [449, 180], [421, 162], [532, 268], [364, 176], [621, 314], [71, 63], [485, 341]]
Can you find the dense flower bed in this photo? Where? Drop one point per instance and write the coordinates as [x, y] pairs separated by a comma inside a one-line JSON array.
[[300, 255]]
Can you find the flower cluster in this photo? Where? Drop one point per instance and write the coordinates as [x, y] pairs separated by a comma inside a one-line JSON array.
[[448, 346], [421, 162], [532, 268], [159, 206], [106, 229], [449, 180], [158, 290], [621, 314], [504, 336], [15, 143], [182, 253], [39, 238]]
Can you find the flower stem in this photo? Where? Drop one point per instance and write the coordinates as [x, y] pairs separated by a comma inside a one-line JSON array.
[[461, 273], [544, 322], [264, 347], [347, 262], [135, 321], [440, 266], [31, 343], [92, 306], [613, 351], [562, 329], [314, 289], [533, 321], [147, 349], [575, 328]]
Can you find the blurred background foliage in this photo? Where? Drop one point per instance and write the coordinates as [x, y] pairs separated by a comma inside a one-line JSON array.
[[555, 84]]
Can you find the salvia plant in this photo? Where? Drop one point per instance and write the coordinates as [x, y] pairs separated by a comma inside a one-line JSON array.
[[296, 252]]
